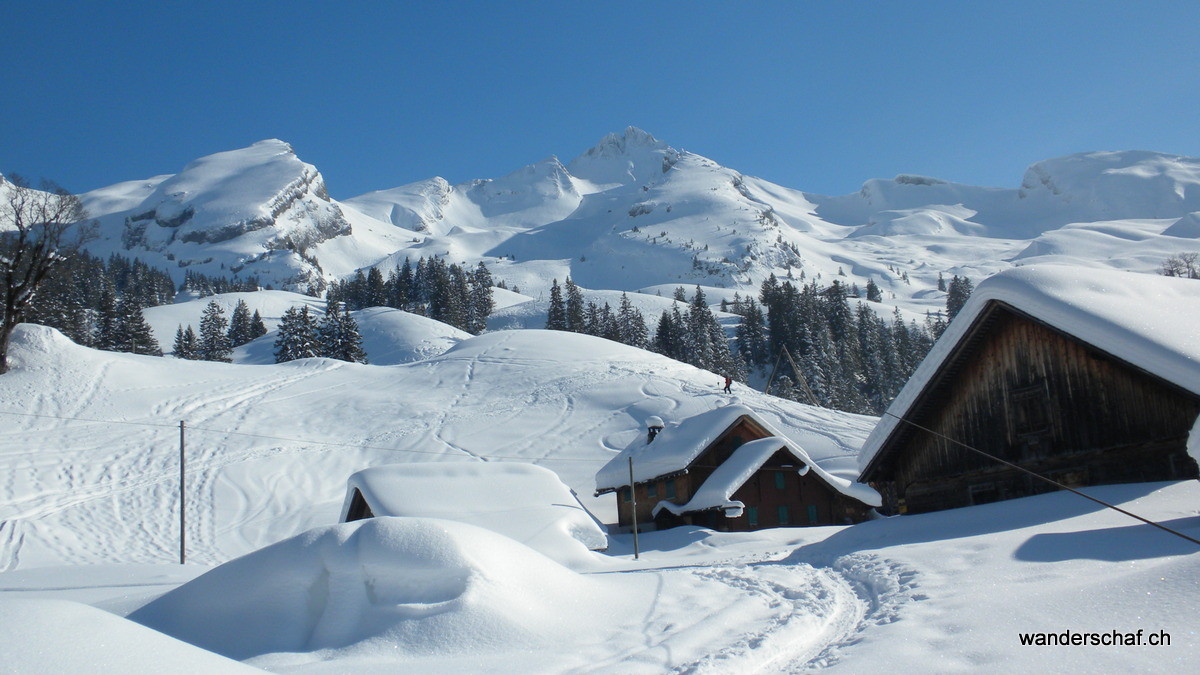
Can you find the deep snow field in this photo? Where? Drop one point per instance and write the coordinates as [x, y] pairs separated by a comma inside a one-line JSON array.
[[89, 506]]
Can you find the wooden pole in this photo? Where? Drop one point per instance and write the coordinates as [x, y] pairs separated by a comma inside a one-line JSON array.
[[182, 496], [771, 378], [633, 504], [800, 376]]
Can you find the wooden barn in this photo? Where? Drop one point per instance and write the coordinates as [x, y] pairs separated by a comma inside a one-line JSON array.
[[728, 470], [1085, 376]]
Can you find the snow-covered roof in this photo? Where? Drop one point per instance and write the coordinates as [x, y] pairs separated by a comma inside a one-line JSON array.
[[525, 502], [1147, 320], [680, 443], [717, 491]]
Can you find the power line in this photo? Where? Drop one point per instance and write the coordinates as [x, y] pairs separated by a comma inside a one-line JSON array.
[[303, 440], [1045, 479]]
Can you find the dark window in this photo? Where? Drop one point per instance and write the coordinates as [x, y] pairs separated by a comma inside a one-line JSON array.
[[669, 491], [783, 515], [752, 514], [1029, 410], [359, 508], [780, 480], [652, 489], [625, 494]]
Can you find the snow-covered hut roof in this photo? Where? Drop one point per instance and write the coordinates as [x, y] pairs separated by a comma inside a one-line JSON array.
[[680, 443], [717, 491], [1147, 320], [524, 502]]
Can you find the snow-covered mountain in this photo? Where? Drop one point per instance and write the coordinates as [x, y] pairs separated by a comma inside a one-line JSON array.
[[258, 211], [633, 212]]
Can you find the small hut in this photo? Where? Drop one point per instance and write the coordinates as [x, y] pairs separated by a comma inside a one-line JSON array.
[[525, 502], [1082, 375], [727, 469]]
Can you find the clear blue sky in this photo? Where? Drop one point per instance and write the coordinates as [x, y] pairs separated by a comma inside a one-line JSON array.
[[815, 96]]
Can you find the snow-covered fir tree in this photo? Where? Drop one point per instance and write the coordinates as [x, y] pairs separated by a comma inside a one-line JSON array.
[[297, 336], [132, 333], [186, 345], [631, 325], [575, 307], [556, 314], [240, 327], [213, 344], [956, 295], [338, 335], [257, 327]]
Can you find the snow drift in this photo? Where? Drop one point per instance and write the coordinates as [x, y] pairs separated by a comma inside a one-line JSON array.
[[409, 586]]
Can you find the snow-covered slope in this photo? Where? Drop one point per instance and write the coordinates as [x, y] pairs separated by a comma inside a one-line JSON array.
[[390, 336], [92, 475]]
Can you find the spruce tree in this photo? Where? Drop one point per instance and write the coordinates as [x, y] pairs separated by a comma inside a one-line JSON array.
[[339, 337], [257, 327], [375, 291], [185, 344], [751, 335], [133, 334], [631, 324], [297, 336], [240, 325], [957, 294], [574, 307], [214, 340], [105, 335], [873, 292], [480, 304], [556, 315]]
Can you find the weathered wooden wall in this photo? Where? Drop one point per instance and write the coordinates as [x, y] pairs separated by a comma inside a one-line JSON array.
[[1032, 396], [761, 491]]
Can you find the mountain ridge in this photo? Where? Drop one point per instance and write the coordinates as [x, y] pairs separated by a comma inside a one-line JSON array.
[[633, 212]]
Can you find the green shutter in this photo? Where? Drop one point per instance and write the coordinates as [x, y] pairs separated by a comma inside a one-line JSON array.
[[752, 514], [780, 480], [812, 514], [783, 515], [670, 491]]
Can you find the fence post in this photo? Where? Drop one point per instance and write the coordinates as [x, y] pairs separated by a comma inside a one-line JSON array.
[[182, 496], [633, 504]]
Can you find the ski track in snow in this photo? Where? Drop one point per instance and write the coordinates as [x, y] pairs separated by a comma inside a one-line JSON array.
[[786, 616]]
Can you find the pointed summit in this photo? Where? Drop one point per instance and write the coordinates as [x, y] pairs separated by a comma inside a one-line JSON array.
[[630, 157]]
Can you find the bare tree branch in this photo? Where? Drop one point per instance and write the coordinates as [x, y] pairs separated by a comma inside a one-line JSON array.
[[39, 229]]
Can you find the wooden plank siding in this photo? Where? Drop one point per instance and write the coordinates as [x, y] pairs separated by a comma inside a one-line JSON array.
[[807, 499], [1032, 395]]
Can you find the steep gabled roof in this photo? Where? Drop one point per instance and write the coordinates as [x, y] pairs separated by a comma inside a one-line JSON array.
[[679, 444], [717, 491], [1148, 321]]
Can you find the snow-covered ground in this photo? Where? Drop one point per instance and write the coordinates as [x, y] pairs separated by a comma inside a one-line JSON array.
[[89, 534], [89, 466], [947, 591]]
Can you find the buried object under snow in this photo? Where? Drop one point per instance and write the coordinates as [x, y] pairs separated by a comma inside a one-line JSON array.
[[525, 502], [424, 587]]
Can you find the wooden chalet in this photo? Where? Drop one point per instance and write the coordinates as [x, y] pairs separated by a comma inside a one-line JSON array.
[[1084, 376], [728, 470]]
